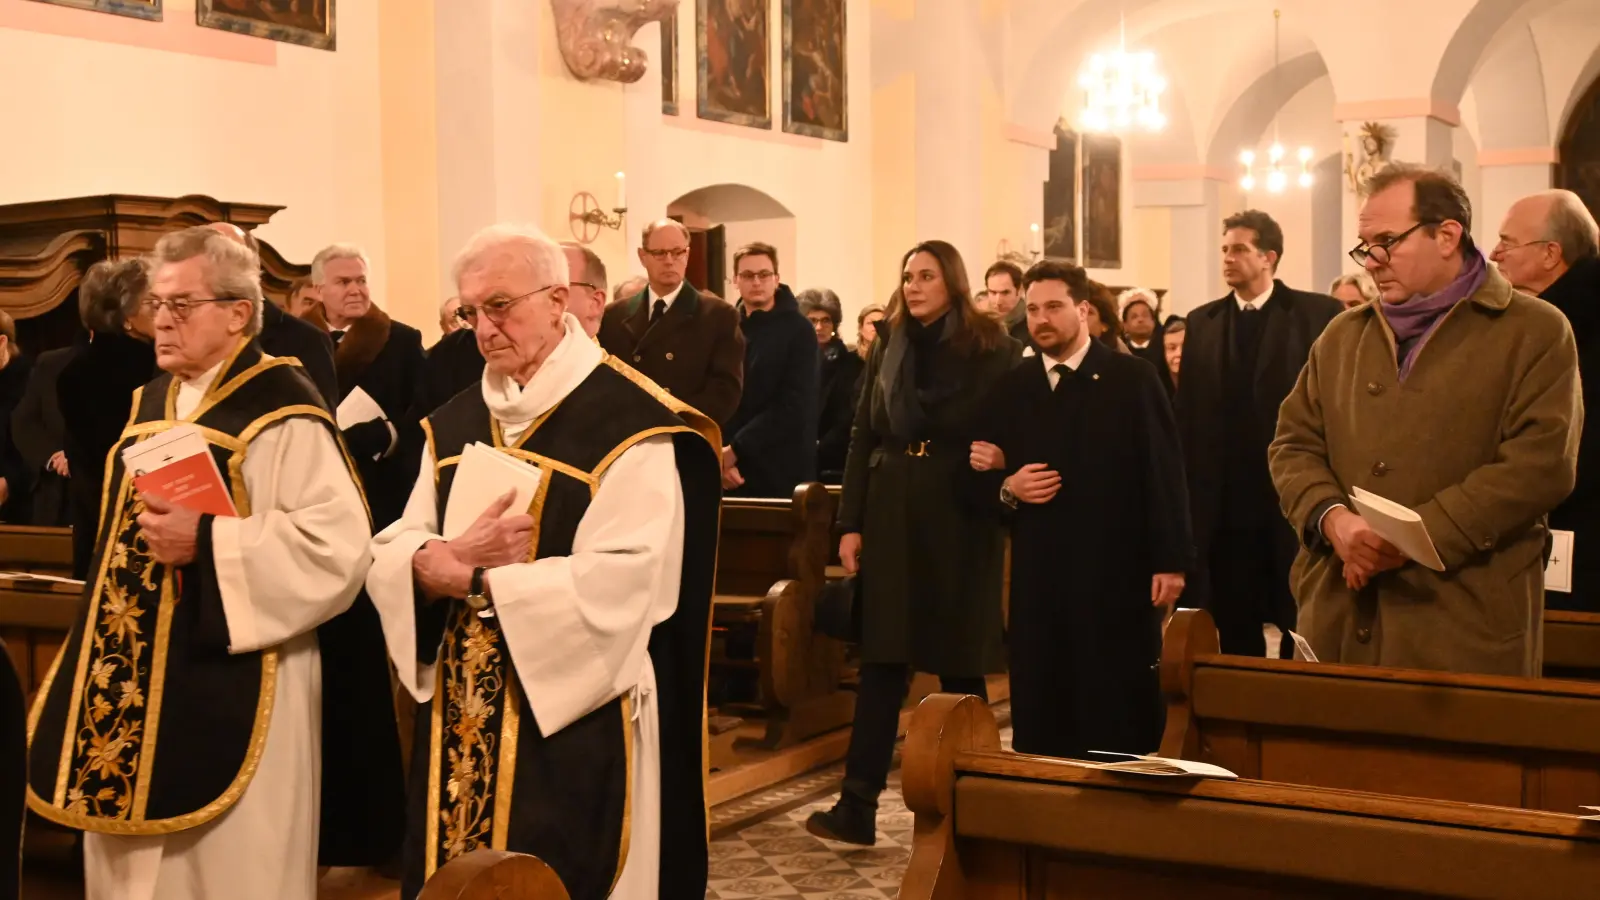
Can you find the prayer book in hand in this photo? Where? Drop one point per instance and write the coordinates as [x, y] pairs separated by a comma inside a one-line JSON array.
[[177, 466], [483, 476], [1399, 525]]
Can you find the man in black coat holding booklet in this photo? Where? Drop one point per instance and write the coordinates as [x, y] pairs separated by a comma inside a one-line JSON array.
[[1081, 452]]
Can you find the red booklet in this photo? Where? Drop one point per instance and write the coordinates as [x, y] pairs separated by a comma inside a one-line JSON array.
[[177, 465]]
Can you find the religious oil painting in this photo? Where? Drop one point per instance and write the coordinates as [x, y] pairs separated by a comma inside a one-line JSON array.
[[732, 44], [1102, 202], [814, 78], [669, 65], [138, 9], [308, 22], [1060, 237]]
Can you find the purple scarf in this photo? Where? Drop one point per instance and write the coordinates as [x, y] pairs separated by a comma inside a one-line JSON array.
[[1413, 321]]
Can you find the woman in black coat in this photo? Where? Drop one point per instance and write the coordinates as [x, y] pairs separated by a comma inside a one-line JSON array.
[[930, 563], [839, 375], [96, 387]]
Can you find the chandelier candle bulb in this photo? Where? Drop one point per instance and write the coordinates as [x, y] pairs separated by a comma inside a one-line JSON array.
[[622, 191], [1033, 237]]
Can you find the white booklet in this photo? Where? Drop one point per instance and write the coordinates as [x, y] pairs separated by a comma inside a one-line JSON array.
[[356, 408], [1399, 525], [1558, 572], [483, 476], [161, 450], [1159, 765]]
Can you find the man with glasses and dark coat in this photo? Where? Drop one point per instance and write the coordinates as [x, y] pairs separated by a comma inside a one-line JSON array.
[[770, 443], [1456, 396], [687, 342], [1550, 247], [1240, 360]]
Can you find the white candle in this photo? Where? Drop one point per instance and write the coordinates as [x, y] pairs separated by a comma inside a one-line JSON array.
[[622, 191], [1033, 239]]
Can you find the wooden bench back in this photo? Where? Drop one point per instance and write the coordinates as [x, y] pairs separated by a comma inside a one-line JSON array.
[[766, 540], [1516, 742], [1572, 645], [44, 551], [991, 824], [494, 875]]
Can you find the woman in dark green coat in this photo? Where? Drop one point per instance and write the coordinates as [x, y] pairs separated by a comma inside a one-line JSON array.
[[929, 559]]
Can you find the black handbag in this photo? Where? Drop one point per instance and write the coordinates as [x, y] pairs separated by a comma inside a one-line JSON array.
[[838, 610]]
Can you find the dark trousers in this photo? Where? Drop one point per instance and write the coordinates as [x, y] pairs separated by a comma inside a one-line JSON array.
[[883, 689], [1249, 569]]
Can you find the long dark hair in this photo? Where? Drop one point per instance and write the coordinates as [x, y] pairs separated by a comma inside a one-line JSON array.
[[1105, 303], [974, 331]]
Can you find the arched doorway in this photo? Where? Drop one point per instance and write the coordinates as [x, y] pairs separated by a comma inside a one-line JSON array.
[[721, 219], [1579, 169]]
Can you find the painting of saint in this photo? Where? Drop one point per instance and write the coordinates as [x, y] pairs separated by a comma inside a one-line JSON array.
[[1061, 197], [814, 79], [669, 65], [308, 22], [1102, 203], [138, 9], [735, 84]]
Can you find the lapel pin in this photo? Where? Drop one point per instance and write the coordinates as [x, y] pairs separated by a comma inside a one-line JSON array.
[[1095, 377]]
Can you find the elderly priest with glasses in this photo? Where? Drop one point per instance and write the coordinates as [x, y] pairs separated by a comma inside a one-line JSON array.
[[557, 631], [180, 725]]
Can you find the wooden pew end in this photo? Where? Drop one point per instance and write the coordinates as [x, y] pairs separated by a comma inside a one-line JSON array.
[[494, 875], [943, 726]]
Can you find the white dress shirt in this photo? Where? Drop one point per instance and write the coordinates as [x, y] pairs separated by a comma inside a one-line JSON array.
[[1258, 302], [1072, 362]]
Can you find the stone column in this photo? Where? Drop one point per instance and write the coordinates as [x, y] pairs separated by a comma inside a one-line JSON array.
[[1195, 208], [1507, 176]]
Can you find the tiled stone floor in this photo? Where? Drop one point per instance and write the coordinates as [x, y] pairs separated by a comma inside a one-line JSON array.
[[760, 847]]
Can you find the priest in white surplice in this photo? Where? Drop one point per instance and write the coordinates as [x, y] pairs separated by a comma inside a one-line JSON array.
[[179, 726], [560, 651]]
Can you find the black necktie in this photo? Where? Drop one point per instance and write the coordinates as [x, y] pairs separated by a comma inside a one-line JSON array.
[[337, 337], [657, 311], [1062, 374]]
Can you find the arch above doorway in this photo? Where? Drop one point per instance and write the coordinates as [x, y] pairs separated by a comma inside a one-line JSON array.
[[724, 217]]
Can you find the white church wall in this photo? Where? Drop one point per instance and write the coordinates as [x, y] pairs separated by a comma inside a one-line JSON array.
[[117, 105]]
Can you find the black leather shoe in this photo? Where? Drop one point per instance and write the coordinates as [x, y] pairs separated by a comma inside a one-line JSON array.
[[847, 823]]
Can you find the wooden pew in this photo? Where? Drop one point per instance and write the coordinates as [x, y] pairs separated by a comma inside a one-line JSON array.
[[771, 558], [991, 825], [1572, 645], [1515, 742], [494, 875], [36, 616]]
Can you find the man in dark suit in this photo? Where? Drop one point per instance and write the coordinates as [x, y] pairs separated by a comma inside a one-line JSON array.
[[383, 359], [283, 334], [687, 342], [1241, 358], [455, 364], [770, 443]]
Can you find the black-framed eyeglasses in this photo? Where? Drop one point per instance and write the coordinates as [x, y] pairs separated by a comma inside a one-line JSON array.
[[670, 253], [180, 307], [1379, 252], [495, 309], [763, 275]]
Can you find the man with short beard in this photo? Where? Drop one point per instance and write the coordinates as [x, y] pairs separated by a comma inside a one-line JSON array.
[[1081, 449]]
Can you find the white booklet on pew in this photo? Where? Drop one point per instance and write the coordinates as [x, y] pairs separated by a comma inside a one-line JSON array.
[[1399, 525], [483, 476], [1594, 813], [1135, 764], [42, 579]]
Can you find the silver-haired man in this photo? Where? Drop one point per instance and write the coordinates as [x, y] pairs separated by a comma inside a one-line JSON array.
[[1550, 246], [180, 724], [560, 649]]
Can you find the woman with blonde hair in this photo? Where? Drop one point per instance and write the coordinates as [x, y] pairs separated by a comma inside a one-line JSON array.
[[1354, 289], [929, 563]]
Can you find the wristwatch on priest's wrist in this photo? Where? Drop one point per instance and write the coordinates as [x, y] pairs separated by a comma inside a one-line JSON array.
[[477, 593], [1006, 496]]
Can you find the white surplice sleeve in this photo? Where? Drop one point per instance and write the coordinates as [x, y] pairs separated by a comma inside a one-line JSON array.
[[298, 559], [578, 626], [390, 584]]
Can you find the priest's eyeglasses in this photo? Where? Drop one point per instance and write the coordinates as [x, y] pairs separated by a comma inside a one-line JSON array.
[[1379, 252], [495, 309], [180, 307]]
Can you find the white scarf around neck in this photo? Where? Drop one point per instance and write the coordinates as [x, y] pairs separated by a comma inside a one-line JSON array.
[[515, 406]]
